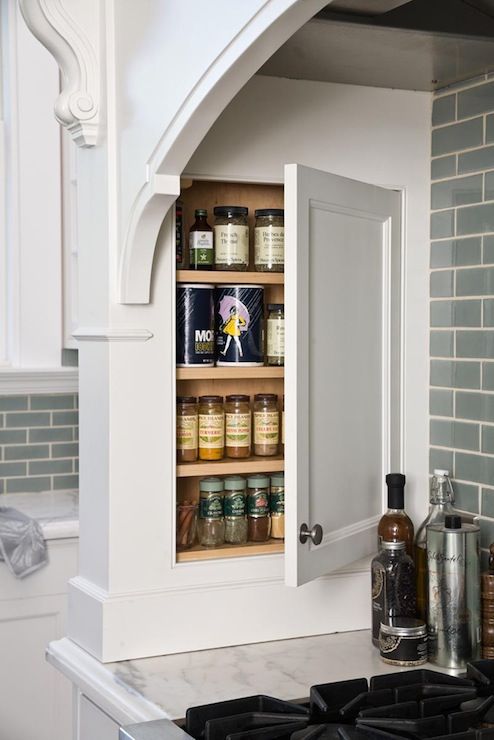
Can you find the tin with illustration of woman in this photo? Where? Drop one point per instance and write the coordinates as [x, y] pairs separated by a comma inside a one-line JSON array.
[[239, 320]]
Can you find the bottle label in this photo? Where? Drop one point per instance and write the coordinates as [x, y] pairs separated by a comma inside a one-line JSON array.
[[266, 427], [276, 338], [237, 430], [201, 248], [277, 501], [211, 431], [211, 507], [283, 427], [258, 503], [378, 606], [234, 504], [187, 432], [231, 245], [179, 242], [269, 245]]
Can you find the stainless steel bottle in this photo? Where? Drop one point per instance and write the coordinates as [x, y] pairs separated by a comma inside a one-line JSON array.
[[453, 563]]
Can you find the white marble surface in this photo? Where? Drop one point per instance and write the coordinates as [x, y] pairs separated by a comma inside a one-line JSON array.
[[285, 669], [56, 511]]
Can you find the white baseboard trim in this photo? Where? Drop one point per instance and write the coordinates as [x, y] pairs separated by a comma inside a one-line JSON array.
[[19, 381]]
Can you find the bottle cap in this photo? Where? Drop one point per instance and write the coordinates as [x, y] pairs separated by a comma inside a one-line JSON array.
[[278, 479], [258, 480], [211, 484], [452, 521], [200, 212], [442, 473], [396, 493], [400, 545], [235, 483]]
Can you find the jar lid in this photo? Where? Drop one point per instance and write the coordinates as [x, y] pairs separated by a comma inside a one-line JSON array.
[[200, 212], [392, 545], [231, 211], [211, 484], [265, 397], [269, 212], [257, 481], [276, 306], [278, 479], [211, 399], [404, 627], [238, 397], [235, 483], [186, 399]]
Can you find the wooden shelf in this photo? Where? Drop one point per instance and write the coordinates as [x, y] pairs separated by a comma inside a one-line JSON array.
[[229, 465], [229, 373], [236, 278], [231, 551]]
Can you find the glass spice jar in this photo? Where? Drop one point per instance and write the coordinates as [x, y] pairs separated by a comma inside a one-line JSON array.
[[231, 238], [393, 586], [258, 519], [234, 507], [201, 242], [187, 422], [275, 334], [277, 506], [269, 240], [211, 524], [237, 426], [211, 428], [283, 425], [186, 524], [266, 424]]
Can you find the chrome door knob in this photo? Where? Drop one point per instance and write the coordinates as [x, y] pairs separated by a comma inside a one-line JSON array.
[[315, 534]]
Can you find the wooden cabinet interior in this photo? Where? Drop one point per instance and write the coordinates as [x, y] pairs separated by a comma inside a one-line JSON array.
[[224, 380]]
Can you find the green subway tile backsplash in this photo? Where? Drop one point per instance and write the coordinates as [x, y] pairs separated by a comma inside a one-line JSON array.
[[489, 128], [488, 312], [457, 192], [442, 344], [443, 110], [442, 224], [474, 219], [442, 459], [457, 434], [475, 281], [475, 344], [449, 374], [488, 440], [488, 250], [442, 283], [475, 406], [456, 313], [38, 442], [476, 160], [477, 468], [443, 167], [457, 252], [441, 402], [478, 99], [457, 136], [466, 497], [488, 502], [488, 376]]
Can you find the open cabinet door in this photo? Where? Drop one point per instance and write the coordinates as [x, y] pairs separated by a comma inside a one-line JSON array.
[[342, 366]]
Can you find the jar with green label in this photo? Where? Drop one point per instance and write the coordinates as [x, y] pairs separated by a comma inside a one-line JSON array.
[[277, 506], [275, 334], [269, 240], [211, 523], [231, 238], [258, 519], [234, 508]]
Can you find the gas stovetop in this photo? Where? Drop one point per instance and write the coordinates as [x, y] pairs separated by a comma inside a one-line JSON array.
[[409, 704]]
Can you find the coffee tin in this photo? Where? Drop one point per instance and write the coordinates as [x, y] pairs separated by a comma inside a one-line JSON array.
[[403, 642], [195, 325], [239, 321]]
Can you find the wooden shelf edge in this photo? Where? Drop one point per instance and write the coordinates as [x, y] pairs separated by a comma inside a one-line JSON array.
[[229, 373], [272, 547], [222, 277], [228, 465]]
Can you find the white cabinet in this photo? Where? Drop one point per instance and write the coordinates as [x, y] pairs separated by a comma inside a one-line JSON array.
[[93, 723], [35, 699]]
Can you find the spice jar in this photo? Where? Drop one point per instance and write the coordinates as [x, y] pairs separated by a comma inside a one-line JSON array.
[[393, 586], [266, 424], [211, 524], [237, 426], [234, 507], [231, 238], [283, 425], [403, 642], [277, 506], [275, 344], [211, 428], [201, 242], [186, 524], [258, 519], [186, 429], [269, 240]]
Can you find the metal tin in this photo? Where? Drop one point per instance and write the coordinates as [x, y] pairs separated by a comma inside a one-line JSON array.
[[403, 642], [453, 565], [239, 320], [195, 325]]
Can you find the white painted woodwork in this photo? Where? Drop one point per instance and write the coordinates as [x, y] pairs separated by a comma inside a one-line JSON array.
[[94, 724], [343, 258], [35, 699]]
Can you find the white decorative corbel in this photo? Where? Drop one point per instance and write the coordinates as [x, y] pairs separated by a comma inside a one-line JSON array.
[[72, 38]]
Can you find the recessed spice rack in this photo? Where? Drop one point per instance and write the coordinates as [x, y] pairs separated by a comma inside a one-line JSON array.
[[197, 381], [229, 466], [271, 547]]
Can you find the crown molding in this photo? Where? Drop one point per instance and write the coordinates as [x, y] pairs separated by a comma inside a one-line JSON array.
[[73, 43], [18, 381]]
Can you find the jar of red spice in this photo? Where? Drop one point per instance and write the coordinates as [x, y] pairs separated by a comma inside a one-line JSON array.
[[258, 519]]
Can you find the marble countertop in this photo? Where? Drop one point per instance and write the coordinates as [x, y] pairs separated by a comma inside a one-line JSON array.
[[164, 687], [56, 511]]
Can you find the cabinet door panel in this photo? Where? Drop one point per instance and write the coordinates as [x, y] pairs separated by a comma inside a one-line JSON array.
[[343, 299]]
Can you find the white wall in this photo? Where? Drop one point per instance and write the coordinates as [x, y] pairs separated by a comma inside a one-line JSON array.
[[376, 135]]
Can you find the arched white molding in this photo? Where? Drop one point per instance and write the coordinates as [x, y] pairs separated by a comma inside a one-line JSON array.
[[234, 65], [74, 45]]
